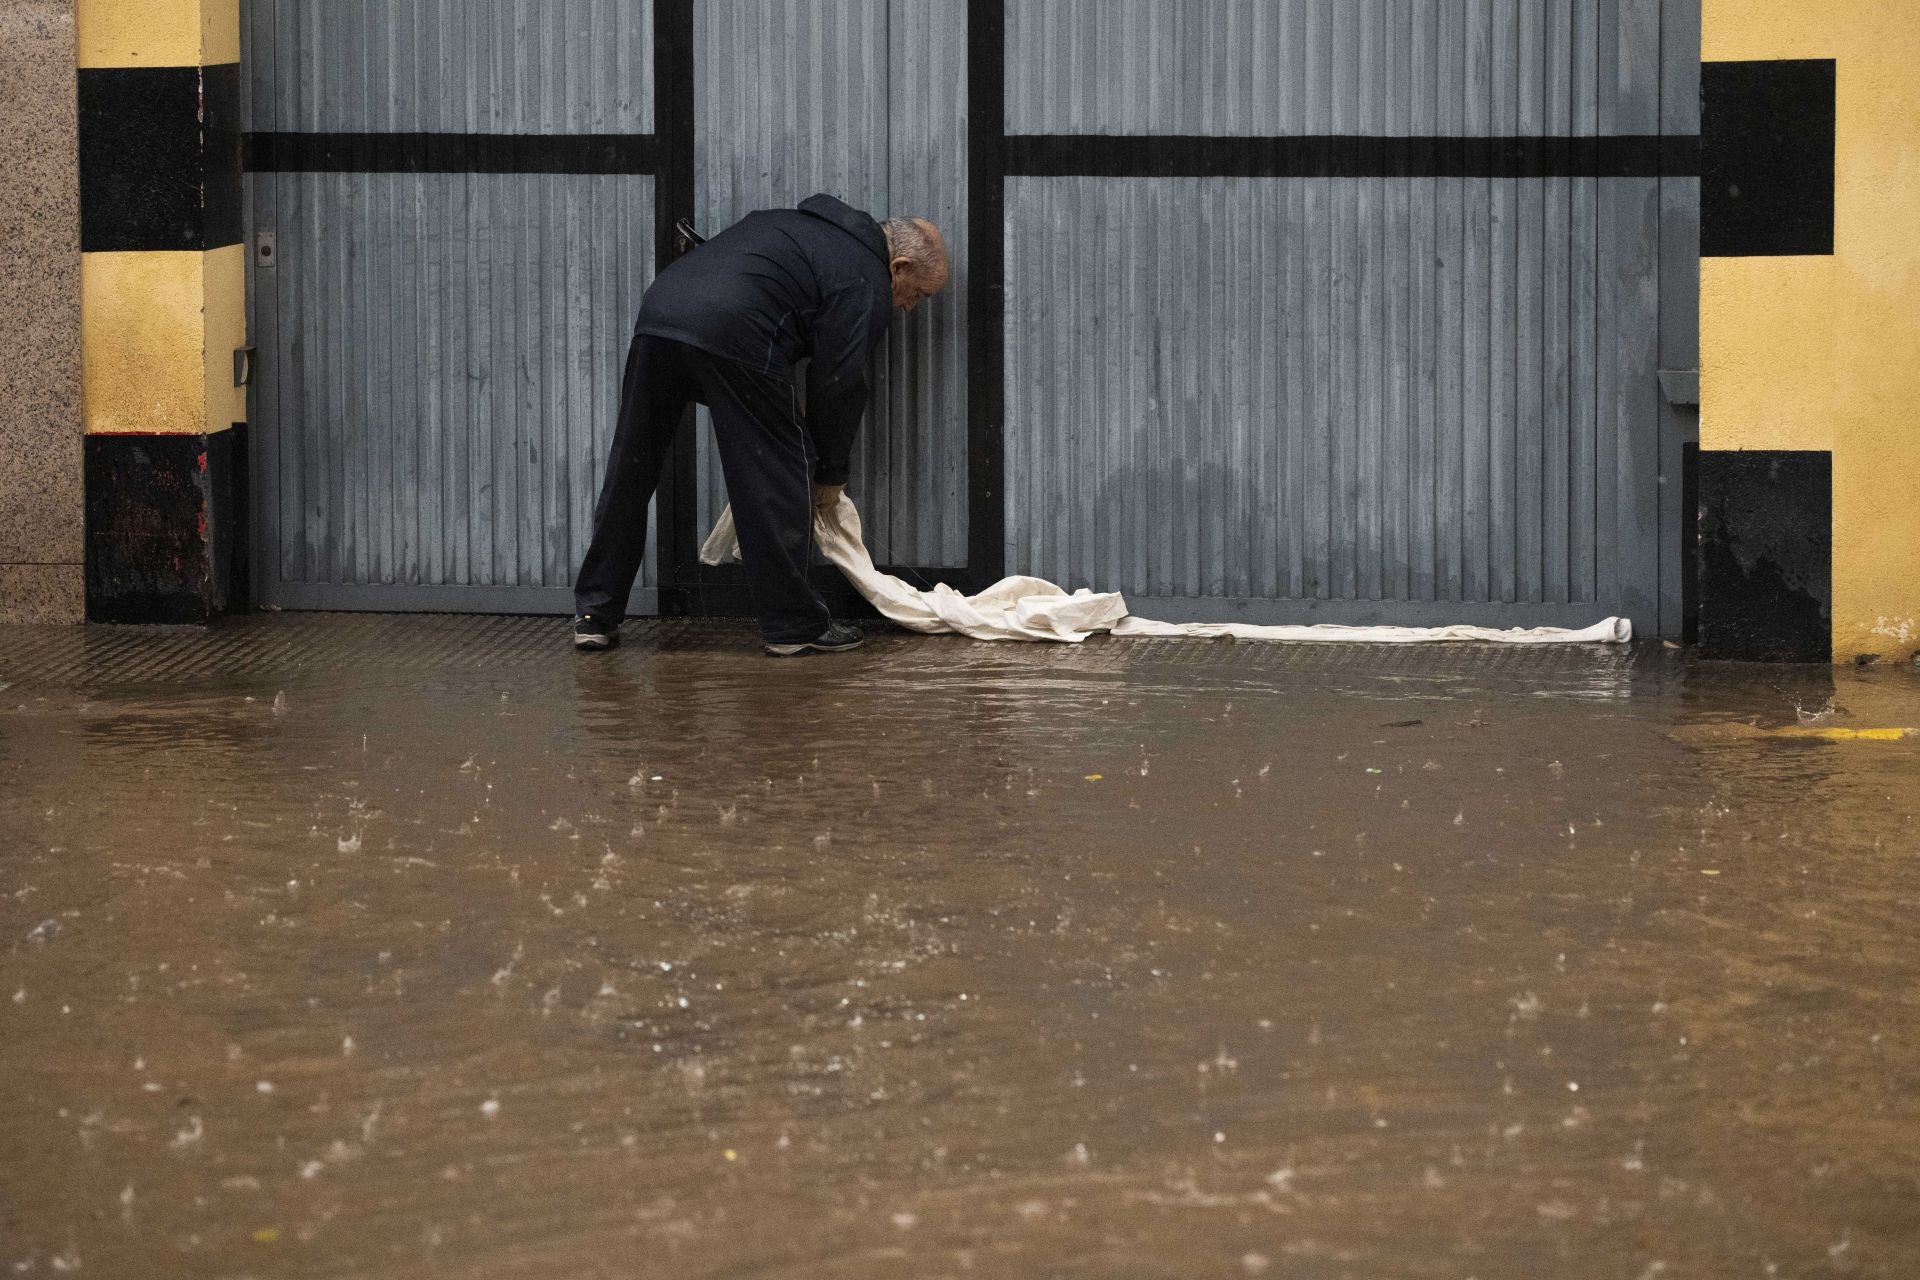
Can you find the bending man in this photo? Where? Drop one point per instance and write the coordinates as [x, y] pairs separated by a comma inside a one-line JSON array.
[[724, 326]]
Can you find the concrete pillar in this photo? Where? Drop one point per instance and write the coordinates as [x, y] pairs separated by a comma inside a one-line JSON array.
[[42, 532]]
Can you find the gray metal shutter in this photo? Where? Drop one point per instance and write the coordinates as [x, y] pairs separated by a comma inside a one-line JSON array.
[[440, 353], [1398, 399]]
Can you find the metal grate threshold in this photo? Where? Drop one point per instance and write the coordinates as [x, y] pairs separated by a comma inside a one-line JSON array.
[[291, 644]]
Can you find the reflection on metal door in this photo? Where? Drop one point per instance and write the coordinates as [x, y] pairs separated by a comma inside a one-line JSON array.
[[453, 222]]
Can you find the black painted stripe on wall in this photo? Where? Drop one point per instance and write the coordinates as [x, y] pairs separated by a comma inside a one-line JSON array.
[[220, 137], [1766, 555], [988, 154], [159, 158], [452, 153], [677, 508], [1350, 156], [1767, 172], [1028, 155]]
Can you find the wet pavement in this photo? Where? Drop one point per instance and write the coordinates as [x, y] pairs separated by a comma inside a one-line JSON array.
[[423, 948]]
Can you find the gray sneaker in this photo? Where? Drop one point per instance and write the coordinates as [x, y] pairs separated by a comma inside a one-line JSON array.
[[837, 638]]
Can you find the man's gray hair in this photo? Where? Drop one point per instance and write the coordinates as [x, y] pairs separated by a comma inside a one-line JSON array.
[[908, 238]]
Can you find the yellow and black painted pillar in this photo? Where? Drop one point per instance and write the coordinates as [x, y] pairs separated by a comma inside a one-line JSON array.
[[1809, 470], [163, 319]]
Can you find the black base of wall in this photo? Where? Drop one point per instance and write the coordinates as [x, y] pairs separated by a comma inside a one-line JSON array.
[[1765, 590], [166, 527]]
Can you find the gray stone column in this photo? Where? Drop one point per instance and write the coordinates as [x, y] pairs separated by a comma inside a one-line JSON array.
[[42, 504]]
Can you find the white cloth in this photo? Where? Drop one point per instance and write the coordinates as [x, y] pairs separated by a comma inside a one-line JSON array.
[[1034, 609]]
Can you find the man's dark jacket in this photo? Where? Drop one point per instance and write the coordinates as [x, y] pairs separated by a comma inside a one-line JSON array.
[[780, 285]]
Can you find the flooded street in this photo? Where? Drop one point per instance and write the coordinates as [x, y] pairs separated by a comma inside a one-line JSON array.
[[423, 948]]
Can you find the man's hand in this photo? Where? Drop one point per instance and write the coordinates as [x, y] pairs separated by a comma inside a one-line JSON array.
[[827, 496]]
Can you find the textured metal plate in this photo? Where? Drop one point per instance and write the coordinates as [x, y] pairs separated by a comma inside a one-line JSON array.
[[290, 645]]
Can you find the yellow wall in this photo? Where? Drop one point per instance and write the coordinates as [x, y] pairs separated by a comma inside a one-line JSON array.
[[225, 274], [1824, 353], [158, 33], [159, 330]]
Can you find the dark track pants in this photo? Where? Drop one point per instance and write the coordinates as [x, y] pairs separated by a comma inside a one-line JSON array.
[[767, 459]]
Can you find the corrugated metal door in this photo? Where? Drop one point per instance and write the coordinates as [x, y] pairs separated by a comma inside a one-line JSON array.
[[440, 352], [865, 100], [1387, 398], [1332, 394]]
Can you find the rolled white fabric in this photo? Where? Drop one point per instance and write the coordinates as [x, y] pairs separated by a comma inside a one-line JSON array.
[[1022, 608], [1606, 631]]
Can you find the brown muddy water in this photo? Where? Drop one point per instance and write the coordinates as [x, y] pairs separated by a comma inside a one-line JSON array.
[[944, 959]]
